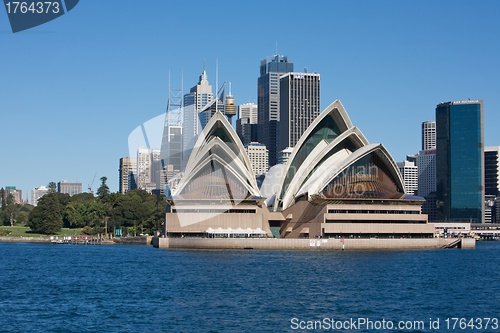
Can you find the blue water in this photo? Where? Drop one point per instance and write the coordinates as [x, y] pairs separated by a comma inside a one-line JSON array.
[[120, 288]]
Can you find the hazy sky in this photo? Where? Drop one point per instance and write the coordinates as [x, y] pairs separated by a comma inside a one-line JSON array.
[[72, 90]]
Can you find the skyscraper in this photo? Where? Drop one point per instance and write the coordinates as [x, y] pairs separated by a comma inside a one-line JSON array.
[[299, 106], [173, 145], [246, 124], [199, 96], [426, 163], [209, 110], [128, 167], [492, 170], [148, 169], [271, 68], [460, 161], [428, 135]]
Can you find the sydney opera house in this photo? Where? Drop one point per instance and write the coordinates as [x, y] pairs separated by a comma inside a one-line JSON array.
[[335, 185]]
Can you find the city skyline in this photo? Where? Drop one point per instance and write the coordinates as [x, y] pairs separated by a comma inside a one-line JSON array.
[[98, 82]]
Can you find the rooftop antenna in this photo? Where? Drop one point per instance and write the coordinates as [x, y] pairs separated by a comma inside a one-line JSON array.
[[276, 47]]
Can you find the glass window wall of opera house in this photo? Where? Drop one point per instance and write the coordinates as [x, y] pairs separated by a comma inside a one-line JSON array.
[[335, 184]]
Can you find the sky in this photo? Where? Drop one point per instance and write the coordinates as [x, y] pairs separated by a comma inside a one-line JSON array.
[[73, 89]]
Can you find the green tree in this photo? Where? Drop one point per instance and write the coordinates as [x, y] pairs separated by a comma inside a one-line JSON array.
[[82, 197], [52, 187], [2, 205], [103, 190], [47, 216], [138, 210], [23, 214], [10, 210], [74, 215], [83, 211], [153, 223], [2, 195]]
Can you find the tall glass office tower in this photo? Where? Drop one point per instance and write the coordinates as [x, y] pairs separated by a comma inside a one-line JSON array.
[[299, 106], [271, 68], [460, 161], [199, 96]]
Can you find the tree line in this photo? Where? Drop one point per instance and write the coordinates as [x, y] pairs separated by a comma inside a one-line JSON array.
[[12, 212], [136, 212]]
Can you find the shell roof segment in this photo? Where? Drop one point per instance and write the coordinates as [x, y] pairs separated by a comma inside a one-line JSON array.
[[331, 154], [218, 166]]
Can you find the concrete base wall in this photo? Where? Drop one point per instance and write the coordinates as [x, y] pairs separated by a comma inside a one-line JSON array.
[[468, 243], [139, 240], [307, 244]]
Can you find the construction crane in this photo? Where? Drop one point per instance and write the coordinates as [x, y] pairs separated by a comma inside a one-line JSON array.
[[92, 183]]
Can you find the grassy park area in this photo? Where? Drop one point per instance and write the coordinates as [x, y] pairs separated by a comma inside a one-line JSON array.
[[22, 231]]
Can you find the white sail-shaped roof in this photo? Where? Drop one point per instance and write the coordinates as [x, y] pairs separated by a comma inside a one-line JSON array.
[[357, 175], [327, 156], [329, 125], [218, 160]]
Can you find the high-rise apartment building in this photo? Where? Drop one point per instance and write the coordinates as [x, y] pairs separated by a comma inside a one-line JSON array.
[[426, 163], [198, 97], [492, 170], [17, 195], [148, 169], [428, 135], [70, 188], [128, 167], [258, 155], [156, 167], [271, 68], [37, 193], [246, 124], [409, 171], [299, 106], [460, 161]]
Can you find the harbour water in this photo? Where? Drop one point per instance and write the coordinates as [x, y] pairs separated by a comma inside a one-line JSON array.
[[126, 288]]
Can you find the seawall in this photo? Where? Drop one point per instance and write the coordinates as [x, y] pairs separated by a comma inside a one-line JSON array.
[[309, 244], [136, 240], [139, 240], [10, 239]]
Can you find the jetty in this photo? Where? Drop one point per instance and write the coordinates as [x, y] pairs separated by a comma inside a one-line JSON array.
[[79, 240]]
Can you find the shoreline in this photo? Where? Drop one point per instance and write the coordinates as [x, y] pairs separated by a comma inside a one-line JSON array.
[[21, 239], [135, 240]]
